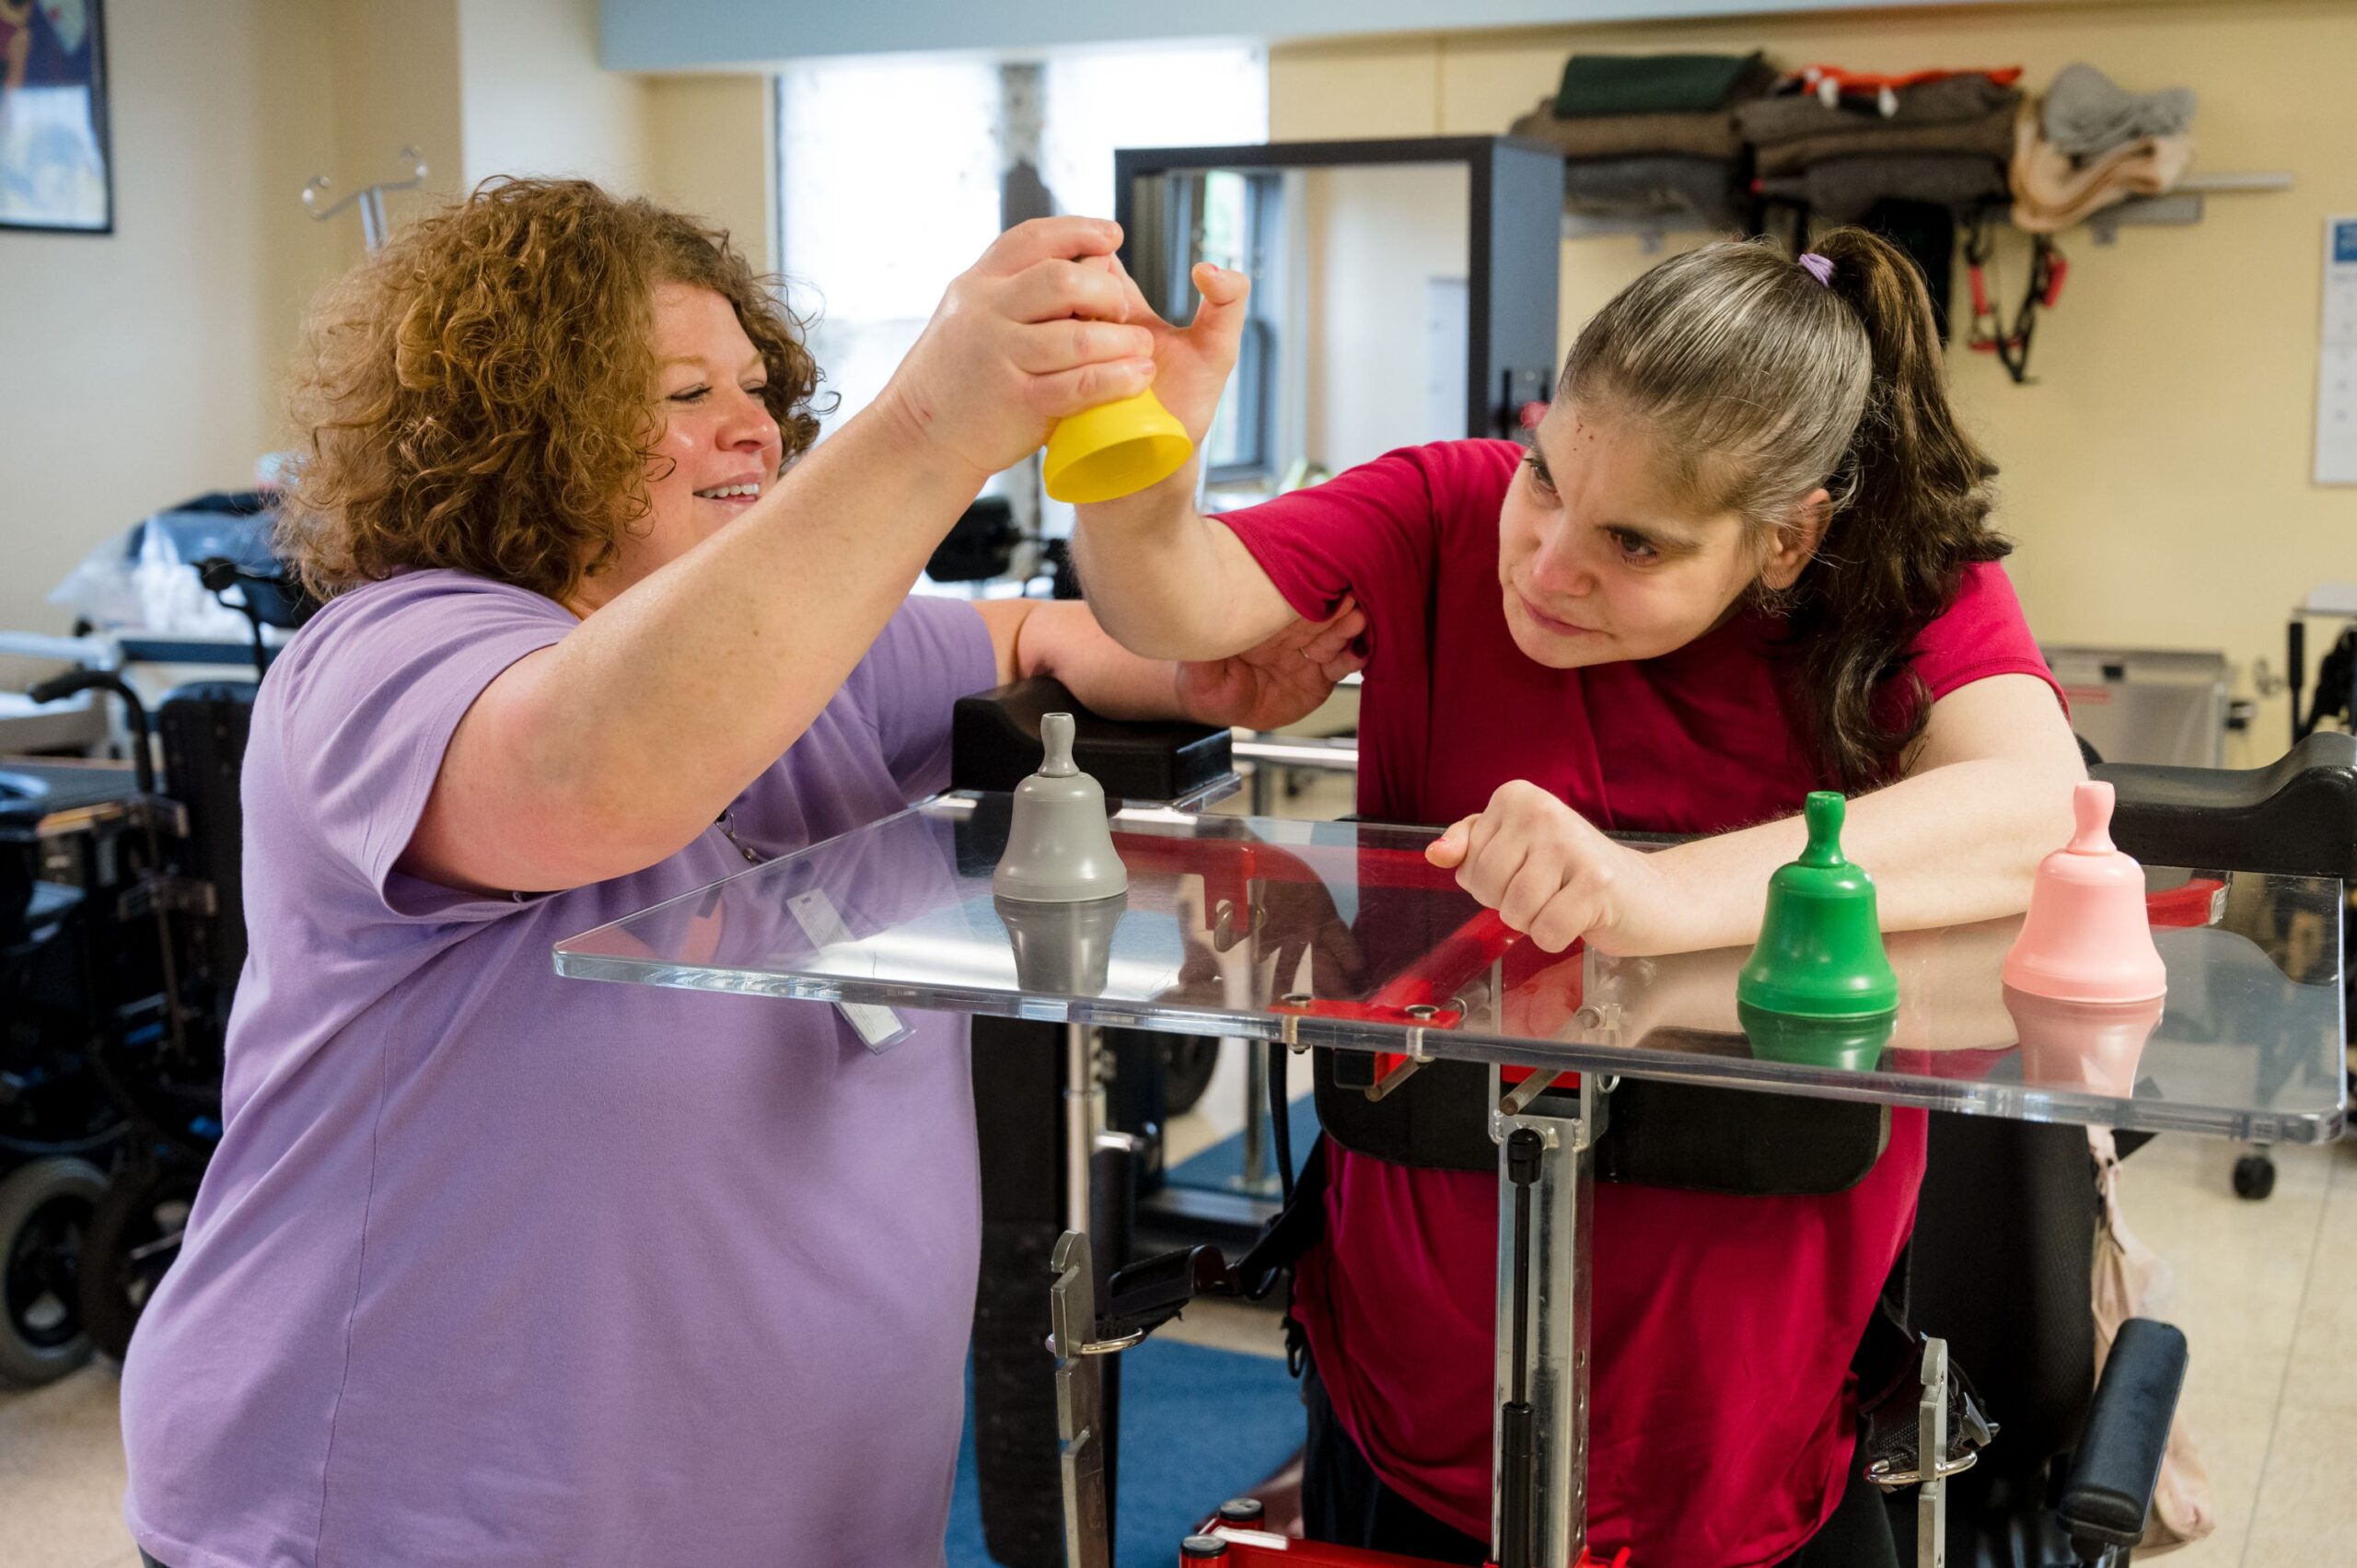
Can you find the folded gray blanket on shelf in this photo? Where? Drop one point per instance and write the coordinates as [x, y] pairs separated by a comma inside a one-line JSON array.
[[2087, 113], [1709, 134], [1990, 135]]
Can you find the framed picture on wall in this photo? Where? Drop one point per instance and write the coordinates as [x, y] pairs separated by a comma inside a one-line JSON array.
[[55, 165]]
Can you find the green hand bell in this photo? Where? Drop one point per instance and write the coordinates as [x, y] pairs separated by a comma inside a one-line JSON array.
[[1819, 953]]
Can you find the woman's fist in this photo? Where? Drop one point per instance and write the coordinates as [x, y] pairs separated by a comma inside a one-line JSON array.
[[1040, 327], [1550, 875]]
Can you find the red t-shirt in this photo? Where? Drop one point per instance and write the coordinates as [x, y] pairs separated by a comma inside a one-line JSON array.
[[1721, 1418]]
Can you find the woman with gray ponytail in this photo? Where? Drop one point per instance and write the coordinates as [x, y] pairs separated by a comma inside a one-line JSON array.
[[1746, 555]]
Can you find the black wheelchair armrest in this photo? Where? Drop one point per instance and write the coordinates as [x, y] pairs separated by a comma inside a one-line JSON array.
[[1150, 1292], [2297, 817], [994, 745], [2126, 1432]]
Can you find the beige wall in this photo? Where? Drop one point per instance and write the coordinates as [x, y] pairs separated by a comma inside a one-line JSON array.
[[712, 150], [395, 84], [1376, 238], [134, 367], [146, 365], [535, 100], [2156, 476]]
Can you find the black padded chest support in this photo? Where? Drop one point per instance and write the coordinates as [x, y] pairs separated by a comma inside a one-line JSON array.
[[1688, 1136], [994, 745]]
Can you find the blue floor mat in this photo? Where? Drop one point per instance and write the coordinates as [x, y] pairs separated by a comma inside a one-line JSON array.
[[1198, 1426], [1223, 1161]]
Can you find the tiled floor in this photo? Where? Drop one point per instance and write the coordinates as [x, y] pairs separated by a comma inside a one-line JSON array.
[[60, 1477], [2267, 1293]]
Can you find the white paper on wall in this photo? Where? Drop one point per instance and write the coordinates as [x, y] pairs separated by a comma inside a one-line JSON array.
[[2337, 357]]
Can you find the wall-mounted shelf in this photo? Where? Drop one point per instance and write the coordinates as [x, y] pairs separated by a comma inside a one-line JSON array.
[[2180, 204]]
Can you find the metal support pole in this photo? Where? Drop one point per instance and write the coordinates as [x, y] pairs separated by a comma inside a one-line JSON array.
[[1240, 969], [1080, 1415], [1542, 1311], [372, 218], [1257, 1178], [1083, 1118], [1931, 1450]]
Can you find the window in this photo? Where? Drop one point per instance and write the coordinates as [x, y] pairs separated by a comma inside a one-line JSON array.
[[890, 173]]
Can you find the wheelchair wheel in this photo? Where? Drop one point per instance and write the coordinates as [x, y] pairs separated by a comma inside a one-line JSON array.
[[1188, 1062], [135, 1235], [45, 1210]]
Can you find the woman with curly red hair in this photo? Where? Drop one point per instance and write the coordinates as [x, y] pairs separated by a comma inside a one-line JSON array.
[[498, 1268]]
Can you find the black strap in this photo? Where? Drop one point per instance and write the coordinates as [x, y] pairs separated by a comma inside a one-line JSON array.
[[1281, 1121], [1888, 1353], [1299, 1225]]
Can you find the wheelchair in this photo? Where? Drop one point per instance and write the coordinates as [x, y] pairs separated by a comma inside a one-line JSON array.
[[122, 937]]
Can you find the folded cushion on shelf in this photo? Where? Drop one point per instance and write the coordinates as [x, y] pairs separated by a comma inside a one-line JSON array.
[[1841, 189], [1655, 185], [1787, 116], [1990, 135], [1708, 134]]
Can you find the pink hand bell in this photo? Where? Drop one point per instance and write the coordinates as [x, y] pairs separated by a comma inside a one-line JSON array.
[[2087, 937]]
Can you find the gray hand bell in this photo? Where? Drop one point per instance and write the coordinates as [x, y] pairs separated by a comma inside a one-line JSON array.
[[1058, 849]]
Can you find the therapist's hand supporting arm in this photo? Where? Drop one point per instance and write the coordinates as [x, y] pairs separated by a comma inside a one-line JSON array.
[[1277, 681], [616, 747], [1166, 581], [1985, 798]]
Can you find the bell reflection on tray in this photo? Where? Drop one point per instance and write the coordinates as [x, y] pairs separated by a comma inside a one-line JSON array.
[[1854, 1043], [1951, 1021], [2081, 1045], [1066, 948], [1957, 1021]]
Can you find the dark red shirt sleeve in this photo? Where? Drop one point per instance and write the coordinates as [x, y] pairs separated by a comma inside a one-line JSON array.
[[1373, 532], [1982, 633]]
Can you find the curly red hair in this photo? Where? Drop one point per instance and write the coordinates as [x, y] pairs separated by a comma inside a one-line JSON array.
[[481, 393]]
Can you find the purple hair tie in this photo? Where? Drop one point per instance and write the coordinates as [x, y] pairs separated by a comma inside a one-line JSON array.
[[1818, 267]]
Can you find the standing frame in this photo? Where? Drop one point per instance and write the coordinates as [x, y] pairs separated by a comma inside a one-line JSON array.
[[57, 161]]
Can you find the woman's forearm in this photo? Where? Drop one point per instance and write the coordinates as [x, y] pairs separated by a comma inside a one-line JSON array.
[[625, 739], [1066, 641], [1062, 639], [1945, 847], [1169, 582]]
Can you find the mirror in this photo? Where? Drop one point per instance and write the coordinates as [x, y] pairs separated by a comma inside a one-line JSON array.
[[1357, 337], [1402, 292]]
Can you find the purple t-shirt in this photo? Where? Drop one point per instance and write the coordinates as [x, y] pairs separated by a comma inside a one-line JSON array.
[[498, 1268]]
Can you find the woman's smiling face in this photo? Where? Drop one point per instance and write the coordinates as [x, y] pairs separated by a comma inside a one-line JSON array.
[[720, 450], [1599, 561]]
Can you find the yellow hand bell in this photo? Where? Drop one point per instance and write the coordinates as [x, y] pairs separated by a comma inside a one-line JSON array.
[[1114, 449]]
